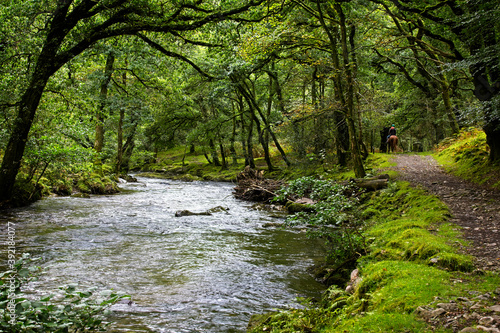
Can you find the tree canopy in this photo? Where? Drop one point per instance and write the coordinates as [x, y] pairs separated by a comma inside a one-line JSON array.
[[120, 80]]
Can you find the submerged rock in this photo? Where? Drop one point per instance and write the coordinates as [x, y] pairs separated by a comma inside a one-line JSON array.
[[128, 178], [181, 213], [80, 195], [218, 209]]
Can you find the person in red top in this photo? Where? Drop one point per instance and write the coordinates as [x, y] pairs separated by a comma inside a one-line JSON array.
[[392, 131]]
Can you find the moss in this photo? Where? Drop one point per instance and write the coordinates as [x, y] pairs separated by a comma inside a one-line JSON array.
[[294, 207], [82, 186], [62, 187], [412, 259], [453, 261], [24, 193], [95, 184], [467, 156]]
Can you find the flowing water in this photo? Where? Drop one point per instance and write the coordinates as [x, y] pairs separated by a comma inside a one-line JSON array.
[[185, 274]]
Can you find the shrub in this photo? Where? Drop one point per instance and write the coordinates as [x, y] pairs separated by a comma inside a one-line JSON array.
[[67, 310]]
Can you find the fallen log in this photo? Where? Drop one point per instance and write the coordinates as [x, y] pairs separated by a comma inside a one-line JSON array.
[[371, 184]]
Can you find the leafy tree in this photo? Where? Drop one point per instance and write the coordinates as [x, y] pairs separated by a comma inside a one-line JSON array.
[[461, 35], [67, 28]]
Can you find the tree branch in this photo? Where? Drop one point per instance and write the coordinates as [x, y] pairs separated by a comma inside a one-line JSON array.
[[174, 55]]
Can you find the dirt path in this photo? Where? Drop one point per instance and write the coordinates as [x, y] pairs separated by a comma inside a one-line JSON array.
[[473, 207]]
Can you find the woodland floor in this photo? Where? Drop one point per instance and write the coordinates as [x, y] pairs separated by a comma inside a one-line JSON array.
[[475, 208]]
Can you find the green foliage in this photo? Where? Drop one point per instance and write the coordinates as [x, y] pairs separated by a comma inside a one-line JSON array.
[[412, 259], [92, 183], [332, 217], [66, 310], [25, 191], [466, 155], [292, 321], [140, 159]]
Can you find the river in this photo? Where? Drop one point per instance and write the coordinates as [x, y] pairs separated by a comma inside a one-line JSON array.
[[185, 274]]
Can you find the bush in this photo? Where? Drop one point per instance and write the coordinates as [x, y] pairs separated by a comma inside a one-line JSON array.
[[67, 310], [331, 218]]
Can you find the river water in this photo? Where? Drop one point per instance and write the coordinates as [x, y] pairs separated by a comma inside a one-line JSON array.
[[185, 274]]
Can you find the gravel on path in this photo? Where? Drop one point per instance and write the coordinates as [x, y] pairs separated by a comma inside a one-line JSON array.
[[475, 208]]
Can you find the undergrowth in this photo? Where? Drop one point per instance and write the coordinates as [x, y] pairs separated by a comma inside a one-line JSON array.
[[65, 310], [466, 155], [412, 259]]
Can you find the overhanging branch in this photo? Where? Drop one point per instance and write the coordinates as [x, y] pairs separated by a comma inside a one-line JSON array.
[[168, 53]]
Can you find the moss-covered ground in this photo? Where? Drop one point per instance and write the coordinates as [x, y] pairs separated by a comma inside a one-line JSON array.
[[412, 248], [466, 156], [413, 257]]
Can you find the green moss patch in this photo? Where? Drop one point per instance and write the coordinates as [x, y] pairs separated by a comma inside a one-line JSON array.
[[466, 155]]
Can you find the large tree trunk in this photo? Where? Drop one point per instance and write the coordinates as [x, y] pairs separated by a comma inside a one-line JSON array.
[[359, 170], [492, 130], [19, 136], [486, 74], [45, 67], [340, 117]]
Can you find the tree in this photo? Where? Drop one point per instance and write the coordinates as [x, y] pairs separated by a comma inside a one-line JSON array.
[[465, 34], [70, 27]]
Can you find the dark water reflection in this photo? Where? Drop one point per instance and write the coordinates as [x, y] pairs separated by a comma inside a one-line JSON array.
[[185, 274]]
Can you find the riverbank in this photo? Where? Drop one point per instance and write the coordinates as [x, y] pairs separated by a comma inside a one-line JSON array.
[[419, 274], [413, 267], [82, 184], [415, 276]]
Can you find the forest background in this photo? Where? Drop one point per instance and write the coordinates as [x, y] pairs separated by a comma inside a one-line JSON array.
[[90, 88]]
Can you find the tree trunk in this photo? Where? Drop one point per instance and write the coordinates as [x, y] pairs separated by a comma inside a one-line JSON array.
[[213, 152], [19, 136], [128, 148], [251, 161], [243, 137], [223, 156], [340, 117], [255, 106], [232, 148], [359, 170], [492, 130], [119, 145], [119, 149], [262, 141], [100, 115]]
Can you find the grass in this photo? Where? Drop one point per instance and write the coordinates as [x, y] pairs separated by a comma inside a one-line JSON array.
[[406, 229], [412, 248], [176, 163], [412, 258], [466, 156]]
